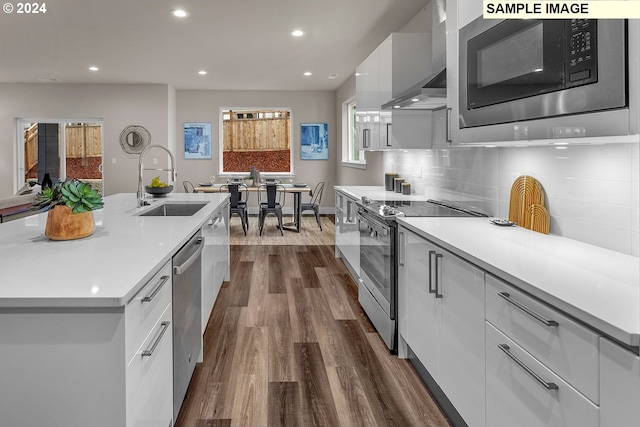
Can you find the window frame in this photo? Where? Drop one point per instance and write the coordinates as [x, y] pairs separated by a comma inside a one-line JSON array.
[[234, 174], [349, 140]]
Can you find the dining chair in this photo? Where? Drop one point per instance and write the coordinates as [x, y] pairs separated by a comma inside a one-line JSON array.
[[273, 204], [314, 203], [188, 187], [236, 204]]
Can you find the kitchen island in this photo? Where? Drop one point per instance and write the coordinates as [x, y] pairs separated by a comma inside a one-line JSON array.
[[77, 315]]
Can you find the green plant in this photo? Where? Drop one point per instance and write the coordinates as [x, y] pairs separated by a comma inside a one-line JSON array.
[[77, 195]]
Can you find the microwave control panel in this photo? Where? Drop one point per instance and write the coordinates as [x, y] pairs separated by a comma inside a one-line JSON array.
[[582, 52]]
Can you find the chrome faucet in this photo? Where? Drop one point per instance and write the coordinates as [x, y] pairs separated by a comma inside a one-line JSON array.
[[174, 175]]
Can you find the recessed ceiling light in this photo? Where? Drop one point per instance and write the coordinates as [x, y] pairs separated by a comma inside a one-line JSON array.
[[179, 13], [93, 68], [415, 99], [308, 73], [202, 72], [297, 33], [396, 106]]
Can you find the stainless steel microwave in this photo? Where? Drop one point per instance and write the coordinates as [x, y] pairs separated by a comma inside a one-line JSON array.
[[514, 71]]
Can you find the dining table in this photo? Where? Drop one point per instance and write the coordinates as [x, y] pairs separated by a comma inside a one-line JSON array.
[[295, 189]]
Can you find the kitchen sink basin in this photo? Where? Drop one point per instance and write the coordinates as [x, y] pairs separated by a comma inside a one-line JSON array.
[[174, 209]]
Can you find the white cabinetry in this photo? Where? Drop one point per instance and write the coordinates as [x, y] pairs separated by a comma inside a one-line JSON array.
[[452, 124], [542, 366], [442, 297], [409, 129], [459, 14], [468, 10], [150, 364], [619, 385], [368, 102], [215, 259], [347, 233], [568, 348], [399, 62], [87, 364], [522, 391]]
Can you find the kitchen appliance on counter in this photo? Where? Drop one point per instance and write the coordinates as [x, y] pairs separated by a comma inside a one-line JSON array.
[[187, 309], [377, 288], [517, 75]]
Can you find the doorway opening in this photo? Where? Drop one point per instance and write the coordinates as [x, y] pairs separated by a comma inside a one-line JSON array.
[[60, 150]]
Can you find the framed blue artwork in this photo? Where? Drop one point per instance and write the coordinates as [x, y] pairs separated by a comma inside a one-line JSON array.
[[314, 141], [197, 140]]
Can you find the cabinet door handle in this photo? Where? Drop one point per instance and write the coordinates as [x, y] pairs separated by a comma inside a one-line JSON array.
[[152, 295], [365, 138], [388, 127], [431, 290], [401, 248], [165, 326], [438, 294], [528, 370], [539, 318], [448, 126]]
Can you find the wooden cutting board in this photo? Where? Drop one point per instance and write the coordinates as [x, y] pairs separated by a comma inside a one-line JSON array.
[[537, 219], [526, 192]]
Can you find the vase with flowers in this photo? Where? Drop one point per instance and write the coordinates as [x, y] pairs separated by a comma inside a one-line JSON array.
[[70, 207]]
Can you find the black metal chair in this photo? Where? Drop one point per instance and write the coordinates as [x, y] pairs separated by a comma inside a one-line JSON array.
[[188, 187], [273, 204], [314, 203], [236, 204]]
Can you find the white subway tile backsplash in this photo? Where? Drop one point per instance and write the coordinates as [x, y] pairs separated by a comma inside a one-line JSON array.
[[607, 237], [592, 191]]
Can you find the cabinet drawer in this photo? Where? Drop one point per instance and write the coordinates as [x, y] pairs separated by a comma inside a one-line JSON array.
[[150, 377], [568, 348], [515, 398], [142, 312]]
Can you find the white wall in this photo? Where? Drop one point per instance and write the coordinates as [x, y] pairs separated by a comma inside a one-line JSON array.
[[118, 105], [592, 192], [306, 107]]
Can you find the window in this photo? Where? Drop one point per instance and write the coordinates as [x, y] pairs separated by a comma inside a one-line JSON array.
[[351, 156], [256, 137]]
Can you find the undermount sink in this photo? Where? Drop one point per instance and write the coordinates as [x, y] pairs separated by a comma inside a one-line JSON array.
[[174, 209]]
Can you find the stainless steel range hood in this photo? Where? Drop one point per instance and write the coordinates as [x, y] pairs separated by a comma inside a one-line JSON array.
[[430, 93]]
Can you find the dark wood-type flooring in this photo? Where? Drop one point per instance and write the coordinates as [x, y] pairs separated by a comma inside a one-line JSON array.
[[287, 344]]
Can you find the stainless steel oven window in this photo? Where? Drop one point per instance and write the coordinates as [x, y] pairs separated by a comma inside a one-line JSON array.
[[376, 260]]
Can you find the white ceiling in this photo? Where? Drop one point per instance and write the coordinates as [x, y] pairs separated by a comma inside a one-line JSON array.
[[242, 44]]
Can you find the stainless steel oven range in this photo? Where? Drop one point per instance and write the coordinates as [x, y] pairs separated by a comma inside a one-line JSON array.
[[377, 290]]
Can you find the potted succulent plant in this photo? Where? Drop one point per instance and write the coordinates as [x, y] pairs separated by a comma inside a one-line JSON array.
[[69, 205]]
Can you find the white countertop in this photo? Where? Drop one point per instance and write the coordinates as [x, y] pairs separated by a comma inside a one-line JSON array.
[[597, 286], [376, 193], [105, 269]]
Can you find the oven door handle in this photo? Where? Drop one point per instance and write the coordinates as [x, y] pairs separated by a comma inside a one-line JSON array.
[[373, 224]]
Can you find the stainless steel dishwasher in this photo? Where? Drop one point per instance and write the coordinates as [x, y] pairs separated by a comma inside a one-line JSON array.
[[187, 308]]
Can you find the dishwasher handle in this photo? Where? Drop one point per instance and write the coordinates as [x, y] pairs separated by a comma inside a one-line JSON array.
[[179, 269]]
